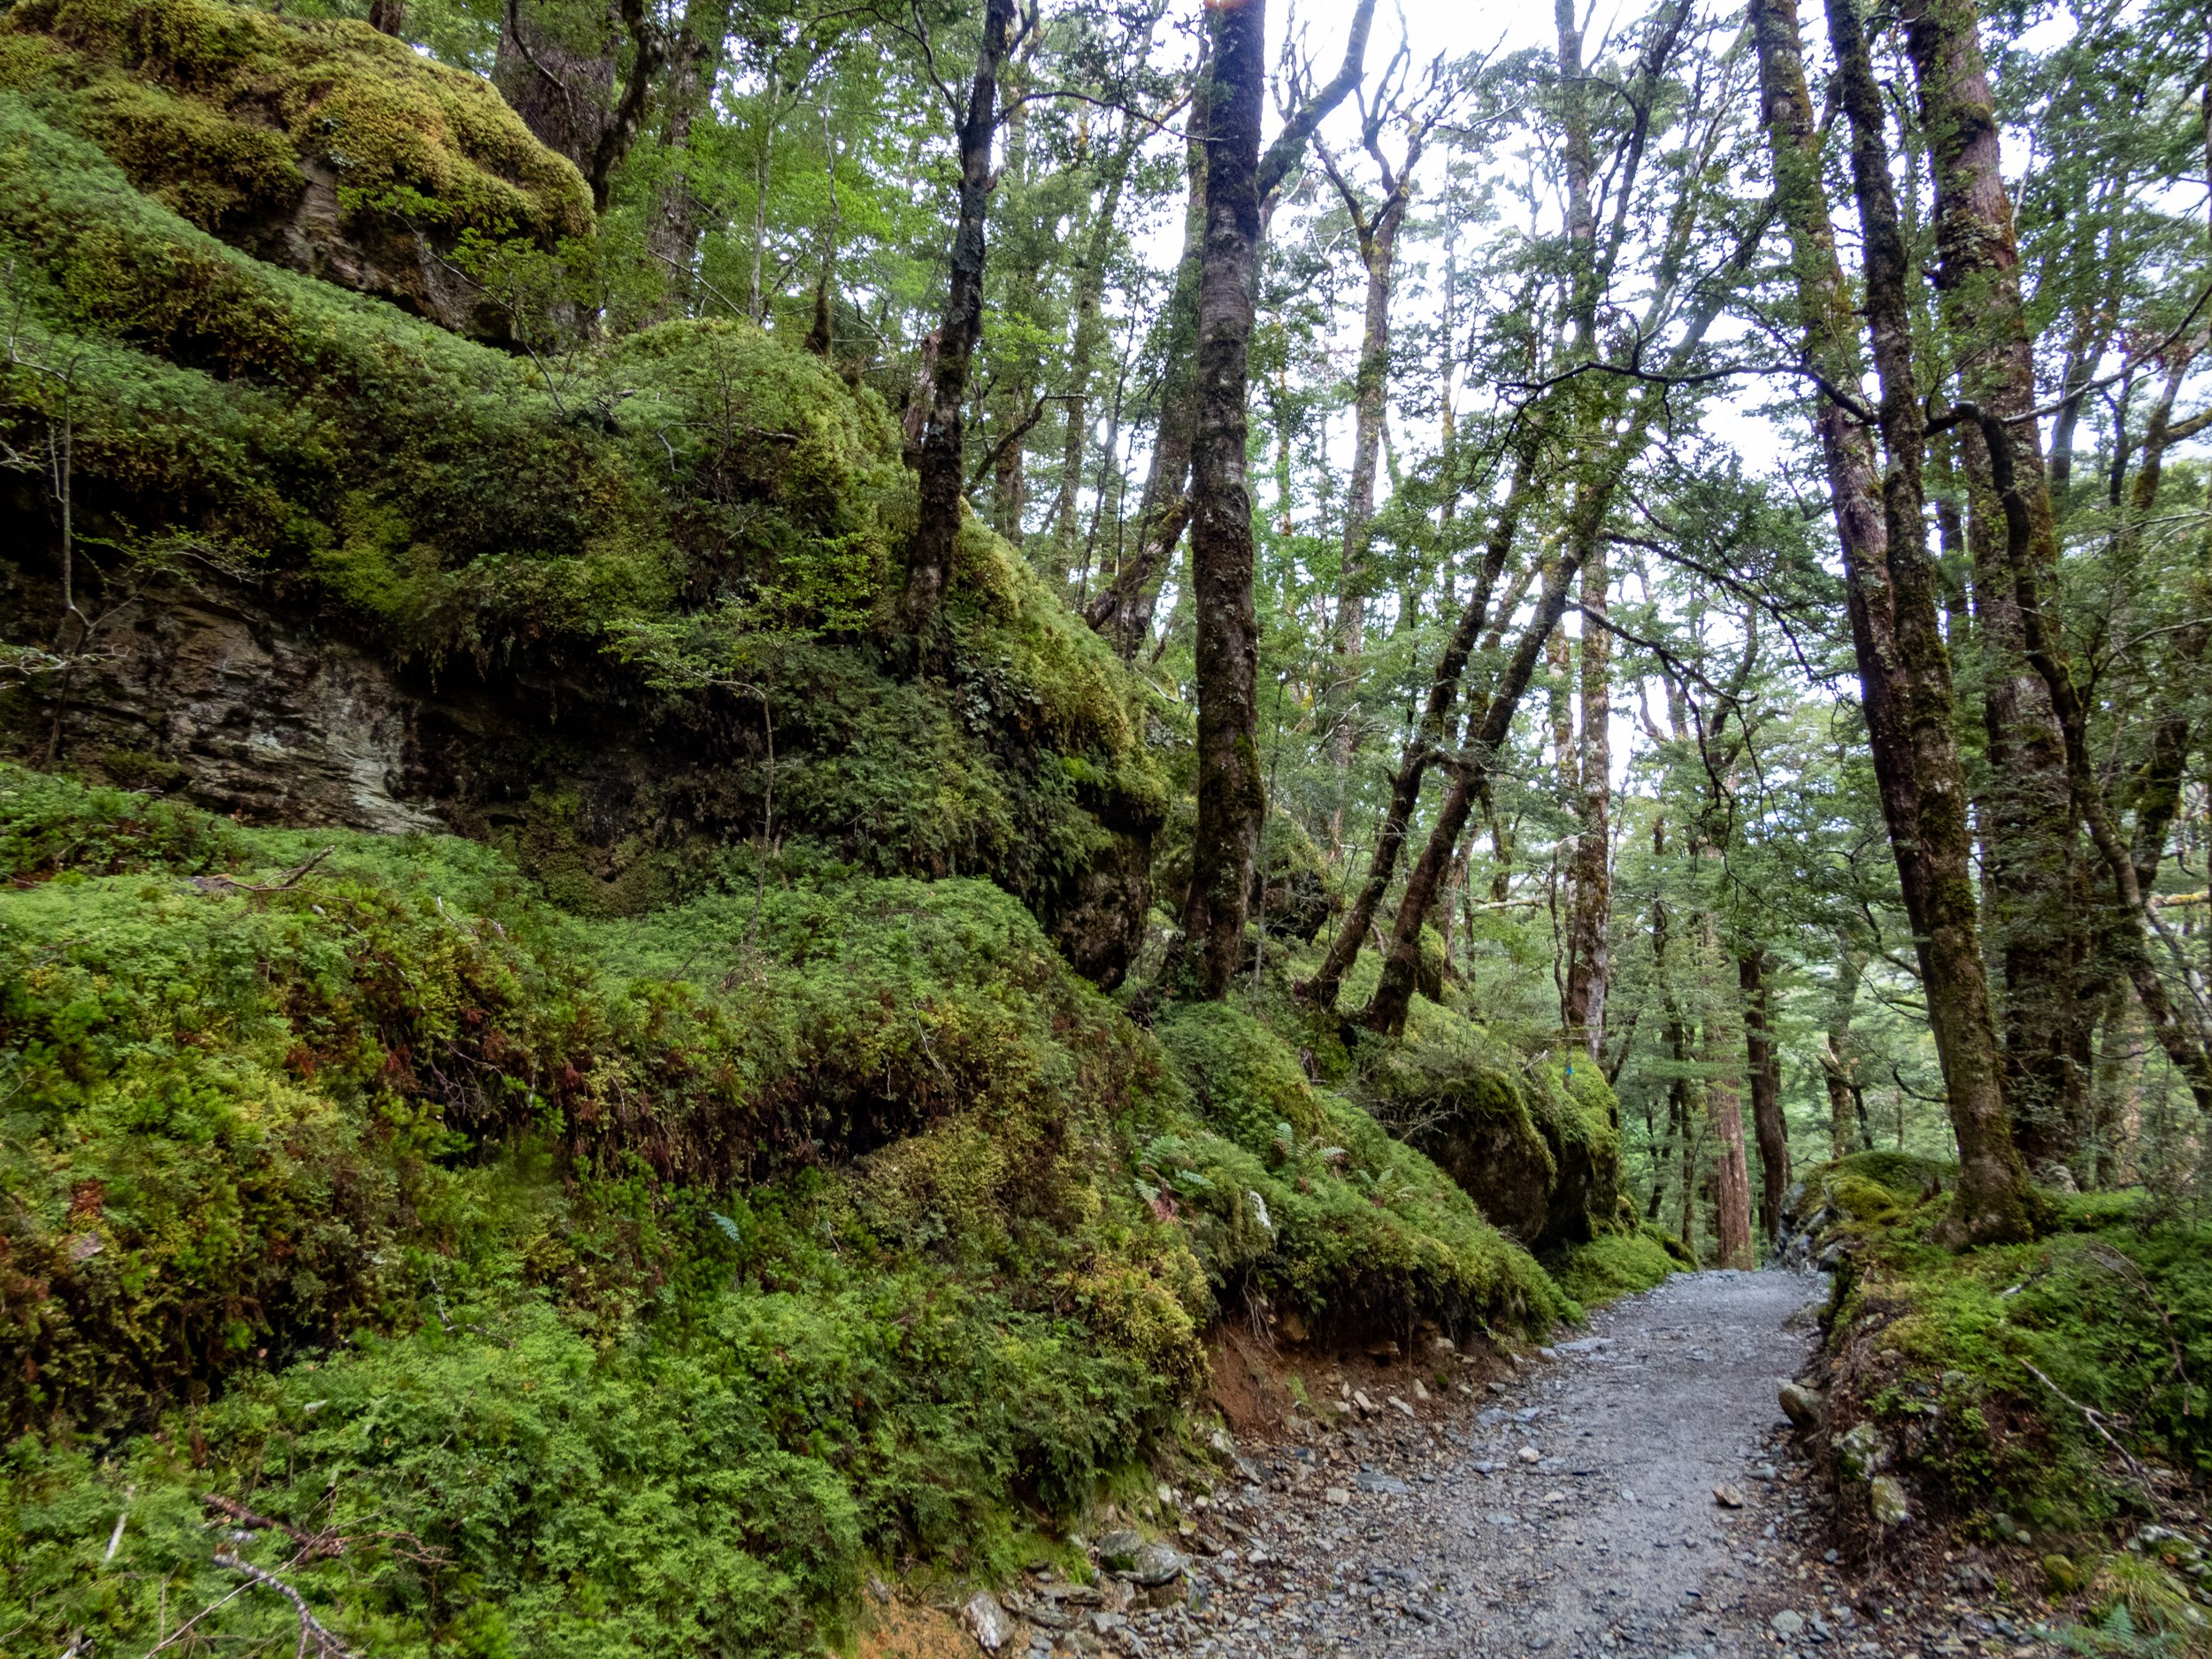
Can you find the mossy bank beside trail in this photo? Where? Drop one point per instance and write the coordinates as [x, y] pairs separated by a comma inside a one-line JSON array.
[[2048, 1401], [625, 1284], [565, 1087]]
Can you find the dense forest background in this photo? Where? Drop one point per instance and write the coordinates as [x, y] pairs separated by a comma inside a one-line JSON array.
[[814, 741], [1536, 330]]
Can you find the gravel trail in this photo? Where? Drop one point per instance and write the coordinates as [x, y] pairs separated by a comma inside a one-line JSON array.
[[1574, 1514], [1634, 1491]]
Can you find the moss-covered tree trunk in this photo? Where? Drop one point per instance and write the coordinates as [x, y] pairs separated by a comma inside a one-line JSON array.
[[942, 457], [1721, 1058], [2031, 829], [1232, 799], [671, 235], [1764, 1070]]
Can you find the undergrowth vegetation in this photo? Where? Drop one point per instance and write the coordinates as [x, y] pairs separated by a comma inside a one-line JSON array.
[[613, 1286]]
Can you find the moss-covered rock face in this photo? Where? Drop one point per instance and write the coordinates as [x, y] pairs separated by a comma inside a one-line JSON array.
[[619, 619], [1536, 1147], [324, 146]]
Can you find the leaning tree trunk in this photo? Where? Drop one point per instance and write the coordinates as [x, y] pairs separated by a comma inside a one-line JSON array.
[[1764, 1068], [1385, 1011], [2031, 828], [1123, 610], [1903, 673], [942, 458], [1413, 764]]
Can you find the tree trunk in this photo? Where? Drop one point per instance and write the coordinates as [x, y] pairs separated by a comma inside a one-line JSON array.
[[389, 16], [2030, 820], [672, 236], [562, 91], [1385, 1011], [648, 50], [1903, 673], [764, 172], [1732, 1176], [1231, 799], [942, 460], [1230, 795], [1764, 1071], [1589, 917], [1839, 1059], [2182, 1039]]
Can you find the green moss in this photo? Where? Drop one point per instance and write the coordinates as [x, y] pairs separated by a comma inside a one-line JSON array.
[[1534, 1141], [215, 109], [1245, 1079], [1943, 1349], [659, 1269], [730, 515], [1616, 1264]]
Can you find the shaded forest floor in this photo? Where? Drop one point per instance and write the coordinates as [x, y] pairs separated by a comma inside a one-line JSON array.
[[1636, 1493]]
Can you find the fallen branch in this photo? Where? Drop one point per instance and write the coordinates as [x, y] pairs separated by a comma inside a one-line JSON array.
[[310, 1544], [231, 884], [327, 1646], [2095, 1419]]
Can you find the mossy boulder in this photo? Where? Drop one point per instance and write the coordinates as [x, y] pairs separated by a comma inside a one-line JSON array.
[[321, 145], [1534, 1144]]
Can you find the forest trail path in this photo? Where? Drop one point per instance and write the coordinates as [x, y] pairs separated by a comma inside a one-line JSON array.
[[1447, 1537]]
